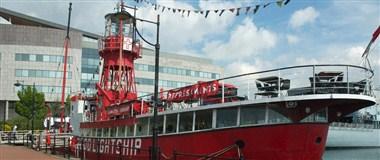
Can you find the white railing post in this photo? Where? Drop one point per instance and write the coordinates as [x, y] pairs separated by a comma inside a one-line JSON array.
[[348, 82], [142, 106], [279, 84], [222, 91], [248, 93], [266, 114], [314, 79]]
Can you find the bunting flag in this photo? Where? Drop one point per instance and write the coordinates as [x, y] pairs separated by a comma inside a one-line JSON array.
[[235, 10], [208, 11], [247, 10], [256, 9], [221, 12]]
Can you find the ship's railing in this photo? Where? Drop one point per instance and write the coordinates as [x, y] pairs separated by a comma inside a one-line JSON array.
[[287, 81], [354, 125], [115, 43]]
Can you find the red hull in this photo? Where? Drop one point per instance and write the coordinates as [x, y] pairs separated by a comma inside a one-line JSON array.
[[302, 141]]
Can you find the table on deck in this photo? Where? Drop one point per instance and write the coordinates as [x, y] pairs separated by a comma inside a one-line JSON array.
[[269, 86]]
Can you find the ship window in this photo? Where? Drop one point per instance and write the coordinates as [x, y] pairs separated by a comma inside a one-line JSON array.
[[121, 132], [142, 127], [93, 133], [171, 123], [105, 132], [275, 117], [319, 116], [130, 131], [252, 115], [160, 125], [226, 117], [186, 121], [99, 132], [113, 132], [88, 133], [203, 119]]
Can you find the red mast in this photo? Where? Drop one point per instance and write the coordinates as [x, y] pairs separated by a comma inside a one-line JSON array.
[[119, 49], [66, 46]]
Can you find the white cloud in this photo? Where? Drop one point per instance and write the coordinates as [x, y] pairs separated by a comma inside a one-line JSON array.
[[244, 41], [292, 39], [238, 67], [303, 16], [179, 32]]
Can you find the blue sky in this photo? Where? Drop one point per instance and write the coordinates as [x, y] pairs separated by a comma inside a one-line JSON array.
[[303, 32]]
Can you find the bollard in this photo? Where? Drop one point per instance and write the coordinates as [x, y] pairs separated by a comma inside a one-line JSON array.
[[82, 149], [39, 143], [14, 139], [68, 148], [46, 145], [53, 149], [64, 147], [27, 140]]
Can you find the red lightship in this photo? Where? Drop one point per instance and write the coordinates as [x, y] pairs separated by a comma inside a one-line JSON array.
[[274, 114]]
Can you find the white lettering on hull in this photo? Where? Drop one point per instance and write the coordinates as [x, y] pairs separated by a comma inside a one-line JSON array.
[[125, 147]]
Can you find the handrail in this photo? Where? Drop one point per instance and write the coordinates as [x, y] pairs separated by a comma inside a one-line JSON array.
[[299, 66]]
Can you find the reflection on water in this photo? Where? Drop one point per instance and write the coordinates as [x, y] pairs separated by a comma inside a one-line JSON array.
[[352, 154]]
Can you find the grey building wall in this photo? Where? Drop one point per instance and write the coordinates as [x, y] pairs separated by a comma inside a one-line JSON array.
[[31, 42]]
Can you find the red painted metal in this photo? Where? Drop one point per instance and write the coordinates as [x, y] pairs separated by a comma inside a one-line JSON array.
[[66, 46], [118, 51], [109, 123], [267, 142], [62, 113]]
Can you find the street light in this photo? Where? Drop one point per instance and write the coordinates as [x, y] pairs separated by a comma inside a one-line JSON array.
[[155, 148], [18, 84]]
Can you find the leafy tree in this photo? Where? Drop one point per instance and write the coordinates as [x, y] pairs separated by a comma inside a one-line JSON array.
[[21, 122], [56, 108], [68, 106], [24, 107]]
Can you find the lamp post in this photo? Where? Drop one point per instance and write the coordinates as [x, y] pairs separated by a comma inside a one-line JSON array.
[[17, 84], [155, 148]]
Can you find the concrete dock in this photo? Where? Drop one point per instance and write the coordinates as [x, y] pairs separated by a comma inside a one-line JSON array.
[[11, 152]]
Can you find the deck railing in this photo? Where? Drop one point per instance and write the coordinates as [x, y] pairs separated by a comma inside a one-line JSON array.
[[336, 125], [287, 81]]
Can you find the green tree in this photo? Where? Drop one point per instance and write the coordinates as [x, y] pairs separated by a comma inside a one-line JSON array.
[[68, 106], [55, 108], [24, 107]]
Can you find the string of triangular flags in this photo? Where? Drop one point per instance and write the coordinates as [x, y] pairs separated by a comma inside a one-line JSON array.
[[237, 10]]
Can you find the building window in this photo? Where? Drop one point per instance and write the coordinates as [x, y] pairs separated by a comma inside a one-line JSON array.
[[18, 73], [41, 73], [41, 58]]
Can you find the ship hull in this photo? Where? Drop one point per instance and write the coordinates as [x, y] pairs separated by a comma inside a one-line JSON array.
[[300, 141]]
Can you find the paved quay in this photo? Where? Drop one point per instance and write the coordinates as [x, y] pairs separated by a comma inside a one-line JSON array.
[[10, 152]]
